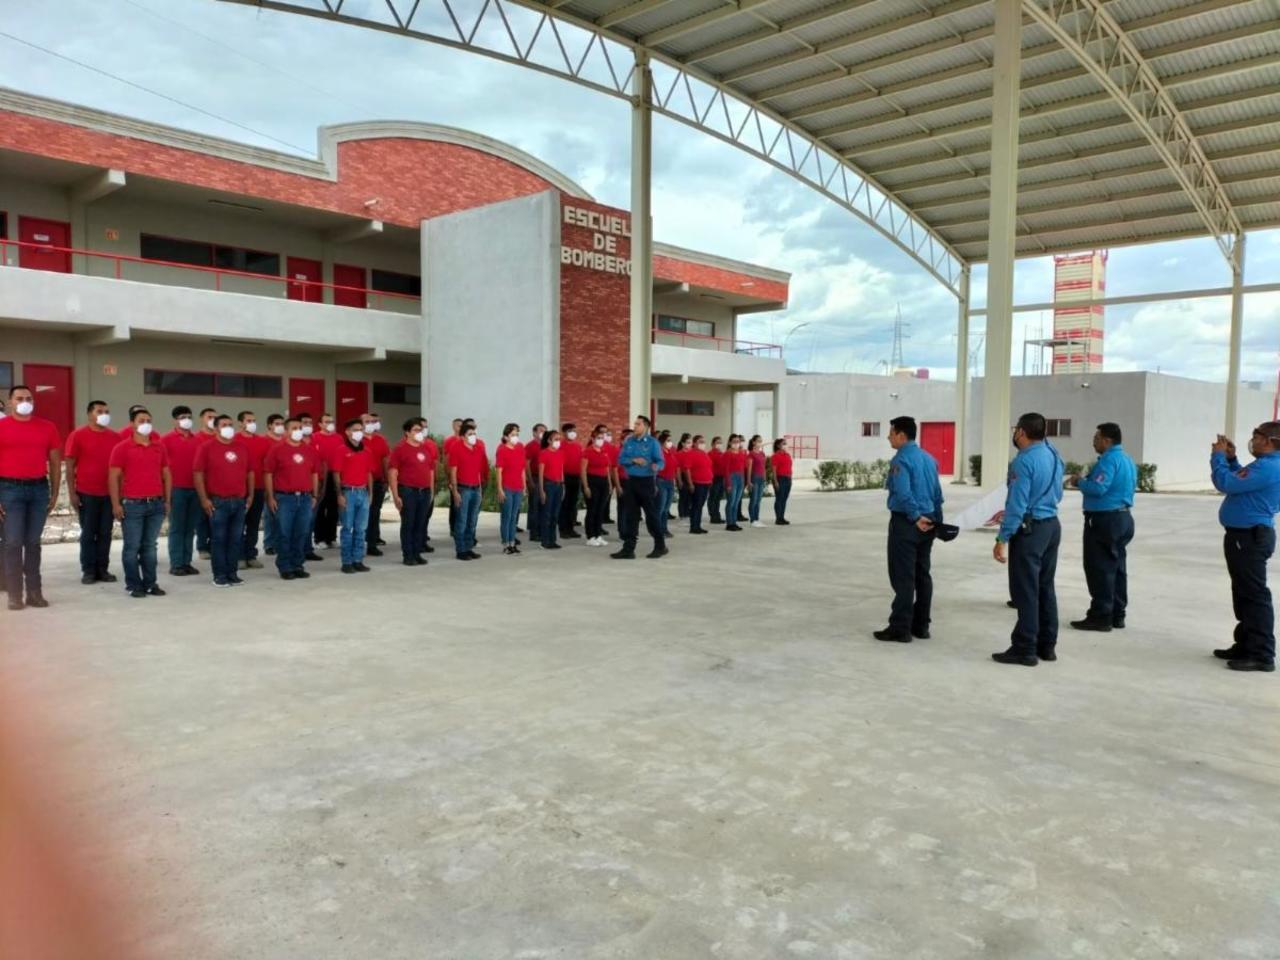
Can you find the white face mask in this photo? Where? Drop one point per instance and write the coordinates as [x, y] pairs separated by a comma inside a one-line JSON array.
[[702, 446], [227, 433], [572, 434], [471, 439], [103, 419], [667, 444], [278, 429], [375, 426], [416, 437], [357, 435], [25, 408], [608, 438], [295, 436], [328, 428], [598, 442], [142, 428], [307, 430], [251, 426], [184, 423], [208, 424], [514, 439], [555, 444]]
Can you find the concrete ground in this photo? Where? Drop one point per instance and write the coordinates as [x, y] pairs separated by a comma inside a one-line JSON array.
[[707, 756]]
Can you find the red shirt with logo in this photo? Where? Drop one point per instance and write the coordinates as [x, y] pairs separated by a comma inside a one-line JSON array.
[[553, 462], [510, 461], [181, 450], [141, 465], [25, 446], [599, 460], [378, 448], [91, 450], [414, 466], [698, 463], [225, 467], [354, 467], [291, 467]]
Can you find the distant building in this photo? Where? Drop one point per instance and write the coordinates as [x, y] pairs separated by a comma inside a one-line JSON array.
[[1078, 330]]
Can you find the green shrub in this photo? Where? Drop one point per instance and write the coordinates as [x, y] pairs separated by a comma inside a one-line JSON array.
[[1071, 467], [851, 474], [832, 474], [1146, 478]]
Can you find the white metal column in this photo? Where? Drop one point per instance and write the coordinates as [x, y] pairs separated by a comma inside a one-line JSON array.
[[641, 235], [962, 376], [1237, 332], [1001, 240]]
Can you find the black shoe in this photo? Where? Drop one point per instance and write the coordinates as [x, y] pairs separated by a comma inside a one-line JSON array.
[[360, 568], [36, 600], [1046, 653], [107, 578], [516, 542], [920, 634], [516, 550], [301, 575], [696, 532], [312, 556], [1012, 656], [428, 549], [1233, 652], [1250, 665], [783, 523], [270, 551], [1117, 624], [657, 553], [624, 554], [571, 535], [732, 526], [348, 568], [288, 575], [381, 542], [894, 636], [234, 578], [16, 604], [409, 562], [419, 560], [519, 529], [551, 546], [373, 552], [154, 591], [138, 593], [1011, 605], [178, 572], [464, 556], [89, 578], [715, 520], [472, 555], [1098, 626], [191, 571]]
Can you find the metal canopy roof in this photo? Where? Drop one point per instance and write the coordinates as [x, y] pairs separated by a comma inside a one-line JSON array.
[[1141, 120]]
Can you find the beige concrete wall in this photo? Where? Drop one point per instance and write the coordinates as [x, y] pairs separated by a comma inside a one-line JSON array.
[[693, 308], [710, 426]]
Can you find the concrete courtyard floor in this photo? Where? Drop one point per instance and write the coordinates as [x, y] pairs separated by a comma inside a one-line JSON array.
[[708, 756]]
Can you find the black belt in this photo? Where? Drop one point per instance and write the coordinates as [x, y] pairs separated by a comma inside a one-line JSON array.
[[293, 493], [1030, 521], [1256, 526], [141, 499], [468, 486], [1090, 513], [415, 489], [25, 481]]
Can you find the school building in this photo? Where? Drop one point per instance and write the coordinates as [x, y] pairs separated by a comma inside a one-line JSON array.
[[406, 268]]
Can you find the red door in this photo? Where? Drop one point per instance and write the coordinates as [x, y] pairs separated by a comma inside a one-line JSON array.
[[353, 400], [54, 394], [306, 396], [308, 271], [347, 276], [939, 438], [46, 234]]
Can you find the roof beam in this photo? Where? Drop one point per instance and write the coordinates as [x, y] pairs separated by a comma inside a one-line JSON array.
[[731, 9], [636, 9], [1099, 44], [97, 186]]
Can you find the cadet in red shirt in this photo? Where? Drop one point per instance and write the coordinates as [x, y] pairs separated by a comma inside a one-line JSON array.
[[141, 487], [734, 466], [257, 445], [510, 462], [716, 493], [205, 431], [597, 468], [30, 466], [701, 475], [781, 463], [533, 514], [291, 483], [449, 443], [468, 473], [379, 453], [325, 440], [351, 472], [684, 486], [550, 487], [224, 483], [180, 446], [86, 454], [270, 533], [571, 452], [411, 474]]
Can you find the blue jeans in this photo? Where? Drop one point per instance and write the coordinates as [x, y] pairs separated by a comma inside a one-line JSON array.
[[511, 515], [293, 527], [355, 524], [184, 515], [270, 531], [549, 512], [226, 528], [252, 521], [25, 507], [780, 497], [413, 520], [204, 530], [753, 505], [733, 488], [141, 526], [666, 493], [96, 520], [467, 515]]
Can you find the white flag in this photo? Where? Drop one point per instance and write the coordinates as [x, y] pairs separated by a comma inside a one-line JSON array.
[[987, 512]]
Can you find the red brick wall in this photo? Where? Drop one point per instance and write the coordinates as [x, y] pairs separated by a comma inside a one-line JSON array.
[[716, 278], [595, 331]]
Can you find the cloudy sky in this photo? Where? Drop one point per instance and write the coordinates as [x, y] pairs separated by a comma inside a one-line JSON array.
[[272, 79]]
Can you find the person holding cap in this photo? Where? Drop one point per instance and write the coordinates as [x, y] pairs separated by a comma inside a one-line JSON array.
[[86, 456], [141, 494], [1248, 516], [224, 483], [641, 460], [915, 507], [30, 468], [291, 482]]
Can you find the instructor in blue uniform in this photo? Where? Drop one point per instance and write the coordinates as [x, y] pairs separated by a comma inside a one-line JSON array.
[[1033, 533], [1108, 488], [915, 505], [1248, 513], [640, 460]]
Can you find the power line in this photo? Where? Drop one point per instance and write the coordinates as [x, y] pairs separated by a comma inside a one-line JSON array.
[[154, 93]]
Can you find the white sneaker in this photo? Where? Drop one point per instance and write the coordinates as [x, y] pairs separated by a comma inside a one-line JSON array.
[[756, 523], [594, 542]]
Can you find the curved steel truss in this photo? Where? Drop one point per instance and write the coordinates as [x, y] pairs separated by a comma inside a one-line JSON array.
[[541, 37]]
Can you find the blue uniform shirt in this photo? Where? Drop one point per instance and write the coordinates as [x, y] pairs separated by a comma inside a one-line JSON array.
[[1036, 488], [646, 447], [1252, 493], [913, 484], [1109, 483]]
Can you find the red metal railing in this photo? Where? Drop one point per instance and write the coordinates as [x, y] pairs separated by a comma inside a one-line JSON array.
[[803, 446], [723, 344], [312, 290]]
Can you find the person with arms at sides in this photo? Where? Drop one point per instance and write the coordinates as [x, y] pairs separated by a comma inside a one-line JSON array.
[[915, 506], [351, 473], [141, 495], [1108, 487], [510, 463], [30, 474], [311, 437], [86, 456], [620, 480], [379, 452], [734, 466], [701, 474], [667, 478], [468, 473], [782, 470], [292, 484], [180, 447], [758, 469], [571, 452], [1032, 530], [550, 487], [684, 489], [597, 465], [1248, 516], [411, 475], [205, 431], [612, 449], [257, 446], [327, 440], [716, 494], [641, 458], [449, 444], [533, 502], [224, 482], [275, 435]]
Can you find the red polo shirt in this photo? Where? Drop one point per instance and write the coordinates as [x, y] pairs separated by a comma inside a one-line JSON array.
[[225, 467], [735, 461], [181, 452], [782, 464], [125, 432], [353, 467], [291, 467], [717, 461], [598, 460], [757, 459], [141, 465], [91, 450], [414, 466], [378, 448], [699, 466], [669, 463], [531, 451], [510, 461], [257, 447], [471, 462], [553, 461], [571, 451], [25, 446]]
